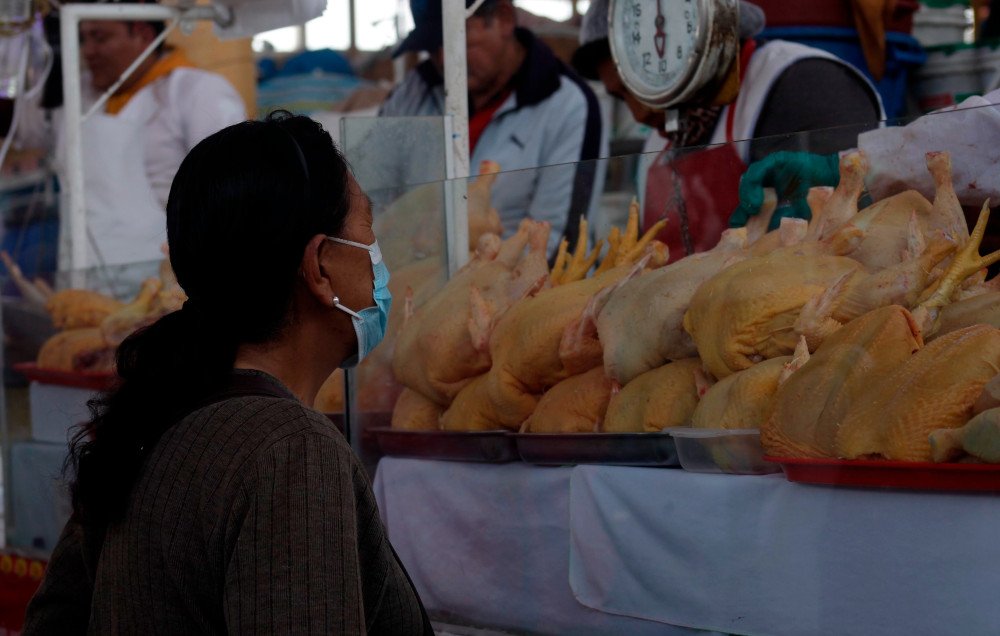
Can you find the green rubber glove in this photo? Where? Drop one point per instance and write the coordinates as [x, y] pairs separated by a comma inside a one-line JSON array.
[[791, 174]]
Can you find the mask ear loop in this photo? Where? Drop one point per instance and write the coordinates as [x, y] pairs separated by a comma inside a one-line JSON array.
[[347, 310]]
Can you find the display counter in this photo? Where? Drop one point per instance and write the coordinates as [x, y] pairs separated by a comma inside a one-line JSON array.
[[611, 549], [586, 547]]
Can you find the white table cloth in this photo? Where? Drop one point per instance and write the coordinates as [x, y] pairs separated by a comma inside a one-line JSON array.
[[601, 549], [761, 555], [489, 544]]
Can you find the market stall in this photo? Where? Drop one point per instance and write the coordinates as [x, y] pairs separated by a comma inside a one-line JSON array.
[[562, 509], [609, 549], [590, 547], [792, 432]]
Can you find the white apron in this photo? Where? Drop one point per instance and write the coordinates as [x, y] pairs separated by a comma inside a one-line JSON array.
[[124, 220], [125, 223]]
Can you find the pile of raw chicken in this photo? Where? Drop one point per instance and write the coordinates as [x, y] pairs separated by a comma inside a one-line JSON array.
[[859, 334], [92, 324]]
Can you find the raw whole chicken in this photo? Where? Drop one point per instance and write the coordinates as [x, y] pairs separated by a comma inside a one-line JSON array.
[[810, 406], [122, 322], [758, 308], [642, 325], [411, 286], [446, 342], [575, 405], [981, 309], [412, 228], [894, 415], [83, 349], [980, 438], [744, 399], [536, 344], [79, 308], [895, 228], [472, 409], [414, 412], [747, 313], [665, 396], [330, 397]]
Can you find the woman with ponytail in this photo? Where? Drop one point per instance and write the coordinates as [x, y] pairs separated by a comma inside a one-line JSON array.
[[207, 497]]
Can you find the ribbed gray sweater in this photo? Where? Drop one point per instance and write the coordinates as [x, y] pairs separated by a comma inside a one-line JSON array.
[[251, 515]]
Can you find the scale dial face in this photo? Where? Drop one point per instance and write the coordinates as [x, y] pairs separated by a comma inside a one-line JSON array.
[[666, 50]]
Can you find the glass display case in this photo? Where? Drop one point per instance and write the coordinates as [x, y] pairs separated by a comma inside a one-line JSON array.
[[523, 503]]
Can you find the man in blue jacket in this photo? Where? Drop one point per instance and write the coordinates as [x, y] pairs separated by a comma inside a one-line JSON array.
[[528, 112]]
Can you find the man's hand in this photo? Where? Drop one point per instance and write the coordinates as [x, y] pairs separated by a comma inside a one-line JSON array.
[[791, 174]]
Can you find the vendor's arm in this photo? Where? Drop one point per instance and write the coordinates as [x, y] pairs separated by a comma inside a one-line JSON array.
[[565, 190], [969, 131], [820, 96]]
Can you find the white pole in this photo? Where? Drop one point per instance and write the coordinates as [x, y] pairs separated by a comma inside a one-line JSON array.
[[73, 234], [456, 84], [456, 87], [352, 26]]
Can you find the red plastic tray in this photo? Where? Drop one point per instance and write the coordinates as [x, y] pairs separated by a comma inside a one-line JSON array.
[[93, 380], [891, 474]]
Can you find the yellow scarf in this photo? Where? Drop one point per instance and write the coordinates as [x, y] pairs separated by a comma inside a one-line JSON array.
[[164, 66]]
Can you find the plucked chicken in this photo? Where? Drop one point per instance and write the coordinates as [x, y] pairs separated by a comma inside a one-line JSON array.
[[810, 406], [446, 342], [744, 399], [758, 308], [413, 227], [978, 438], [662, 397], [80, 308], [411, 286], [543, 340], [472, 409], [414, 412], [642, 325], [981, 309], [936, 388], [548, 337], [575, 405], [82, 349]]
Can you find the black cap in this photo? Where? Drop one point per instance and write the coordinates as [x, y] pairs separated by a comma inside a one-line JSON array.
[[426, 34], [587, 58], [594, 46]]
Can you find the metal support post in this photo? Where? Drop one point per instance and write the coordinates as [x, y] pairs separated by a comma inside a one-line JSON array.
[[456, 88]]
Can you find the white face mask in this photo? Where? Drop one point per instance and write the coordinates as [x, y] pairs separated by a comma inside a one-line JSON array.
[[370, 322]]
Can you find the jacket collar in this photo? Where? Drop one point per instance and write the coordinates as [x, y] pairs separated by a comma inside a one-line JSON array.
[[534, 81], [539, 74]]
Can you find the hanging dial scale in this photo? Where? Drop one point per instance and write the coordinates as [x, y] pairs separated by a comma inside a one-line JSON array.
[[672, 52]]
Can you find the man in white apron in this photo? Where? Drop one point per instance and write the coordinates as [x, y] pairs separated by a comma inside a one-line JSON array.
[[133, 149]]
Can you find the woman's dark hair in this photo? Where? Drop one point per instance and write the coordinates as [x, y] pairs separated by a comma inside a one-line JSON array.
[[242, 207]]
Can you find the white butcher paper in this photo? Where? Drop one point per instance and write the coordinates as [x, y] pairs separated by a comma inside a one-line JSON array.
[[970, 131]]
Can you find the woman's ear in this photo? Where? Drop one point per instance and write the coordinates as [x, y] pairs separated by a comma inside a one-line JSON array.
[[316, 277]]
